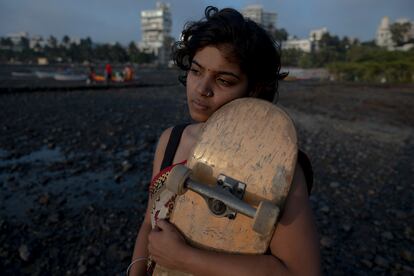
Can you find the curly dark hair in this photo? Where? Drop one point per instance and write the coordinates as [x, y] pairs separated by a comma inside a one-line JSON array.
[[250, 46]]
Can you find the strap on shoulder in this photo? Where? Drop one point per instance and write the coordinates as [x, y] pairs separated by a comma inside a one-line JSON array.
[[306, 165], [172, 145]]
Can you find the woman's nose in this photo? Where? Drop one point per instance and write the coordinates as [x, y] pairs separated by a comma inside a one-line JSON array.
[[205, 87]]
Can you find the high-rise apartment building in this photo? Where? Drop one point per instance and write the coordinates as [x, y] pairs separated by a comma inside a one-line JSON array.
[[384, 36], [156, 29], [256, 13]]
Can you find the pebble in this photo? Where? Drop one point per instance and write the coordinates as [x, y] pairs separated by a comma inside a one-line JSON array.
[[126, 166], [367, 263], [381, 261], [24, 252], [387, 235], [118, 178], [82, 269], [326, 242], [44, 199], [346, 227], [325, 209], [334, 185], [407, 255]]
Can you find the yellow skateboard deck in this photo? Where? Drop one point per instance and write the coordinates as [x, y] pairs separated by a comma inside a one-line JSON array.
[[237, 178]]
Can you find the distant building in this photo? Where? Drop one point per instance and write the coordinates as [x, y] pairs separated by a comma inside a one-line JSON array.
[[16, 38], [75, 40], [384, 36], [156, 32], [317, 34], [37, 42], [306, 45], [256, 13]]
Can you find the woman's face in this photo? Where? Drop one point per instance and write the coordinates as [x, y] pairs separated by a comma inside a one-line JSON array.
[[213, 81]]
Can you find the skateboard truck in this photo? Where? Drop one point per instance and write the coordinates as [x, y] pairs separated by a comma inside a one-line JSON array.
[[225, 185], [225, 199]]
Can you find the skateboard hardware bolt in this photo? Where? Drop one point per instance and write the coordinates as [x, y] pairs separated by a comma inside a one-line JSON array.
[[217, 207]]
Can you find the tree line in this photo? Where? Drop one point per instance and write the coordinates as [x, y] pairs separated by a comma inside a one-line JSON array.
[[351, 60], [71, 52]]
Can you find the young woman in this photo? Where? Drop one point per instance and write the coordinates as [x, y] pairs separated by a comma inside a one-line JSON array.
[[226, 56]]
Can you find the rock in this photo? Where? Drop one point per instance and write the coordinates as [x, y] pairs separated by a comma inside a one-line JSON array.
[[24, 252], [334, 185], [82, 269], [387, 235], [54, 218], [367, 263], [408, 269], [126, 166], [44, 199], [326, 242], [118, 178], [407, 255], [51, 145], [45, 180], [346, 227], [325, 209], [408, 233], [381, 261]]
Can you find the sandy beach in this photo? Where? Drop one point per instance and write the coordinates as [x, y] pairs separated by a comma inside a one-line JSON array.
[[75, 167]]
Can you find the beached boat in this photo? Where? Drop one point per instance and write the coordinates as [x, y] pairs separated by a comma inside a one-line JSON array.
[[70, 77], [44, 74], [22, 74]]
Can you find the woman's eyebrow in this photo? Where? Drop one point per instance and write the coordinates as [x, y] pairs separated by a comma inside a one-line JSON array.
[[219, 72]]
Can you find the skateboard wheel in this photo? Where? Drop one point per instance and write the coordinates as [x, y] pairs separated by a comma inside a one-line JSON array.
[[265, 218], [176, 179]]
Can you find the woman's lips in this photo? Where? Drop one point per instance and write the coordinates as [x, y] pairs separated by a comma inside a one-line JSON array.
[[200, 105]]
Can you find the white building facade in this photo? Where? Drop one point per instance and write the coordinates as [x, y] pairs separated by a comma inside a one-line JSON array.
[[256, 13], [156, 32], [306, 45], [384, 36]]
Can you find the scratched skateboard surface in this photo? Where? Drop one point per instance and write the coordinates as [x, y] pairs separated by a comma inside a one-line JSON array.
[[249, 140]]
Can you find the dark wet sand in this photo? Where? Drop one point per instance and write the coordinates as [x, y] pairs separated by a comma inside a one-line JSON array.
[[75, 166]]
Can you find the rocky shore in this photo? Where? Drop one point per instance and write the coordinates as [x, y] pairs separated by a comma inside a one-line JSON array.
[[75, 166]]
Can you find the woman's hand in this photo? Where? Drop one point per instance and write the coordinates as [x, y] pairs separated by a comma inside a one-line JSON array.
[[167, 246]]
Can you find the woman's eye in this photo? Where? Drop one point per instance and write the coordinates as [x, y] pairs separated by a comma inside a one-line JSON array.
[[224, 82], [194, 71]]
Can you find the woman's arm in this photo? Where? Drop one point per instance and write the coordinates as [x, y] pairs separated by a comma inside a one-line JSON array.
[[141, 243], [294, 246]]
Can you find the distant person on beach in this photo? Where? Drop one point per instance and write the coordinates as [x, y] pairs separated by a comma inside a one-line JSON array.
[[108, 72], [128, 73], [225, 56], [91, 75]]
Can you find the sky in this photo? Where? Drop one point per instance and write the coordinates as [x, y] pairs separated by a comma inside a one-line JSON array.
[[119, 20]]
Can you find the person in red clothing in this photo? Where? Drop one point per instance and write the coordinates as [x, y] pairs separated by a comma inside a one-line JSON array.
[[108, 72]]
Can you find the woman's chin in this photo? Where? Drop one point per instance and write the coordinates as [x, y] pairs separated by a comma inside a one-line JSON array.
[[198, 117]]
